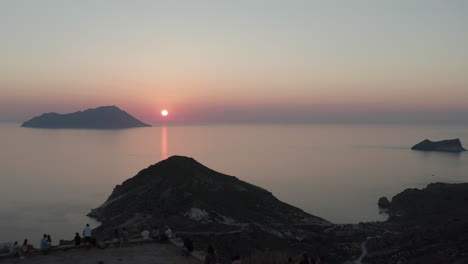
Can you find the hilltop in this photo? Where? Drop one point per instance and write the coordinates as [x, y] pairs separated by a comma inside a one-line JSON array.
[[104, 117], [193, 196], [239, 218]]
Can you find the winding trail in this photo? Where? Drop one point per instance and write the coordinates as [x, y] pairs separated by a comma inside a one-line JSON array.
[[364, 251]]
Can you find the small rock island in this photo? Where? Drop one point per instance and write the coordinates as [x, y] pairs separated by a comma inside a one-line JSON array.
[[104, 117], [449, 145]]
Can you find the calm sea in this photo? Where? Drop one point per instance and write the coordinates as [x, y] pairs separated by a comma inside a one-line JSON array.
[[50, 179]]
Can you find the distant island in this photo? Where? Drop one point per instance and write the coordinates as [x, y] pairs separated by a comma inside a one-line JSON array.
[[449, 145], [104, 117]]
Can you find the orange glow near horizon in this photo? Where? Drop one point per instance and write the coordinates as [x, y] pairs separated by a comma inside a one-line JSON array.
[[164, 154]]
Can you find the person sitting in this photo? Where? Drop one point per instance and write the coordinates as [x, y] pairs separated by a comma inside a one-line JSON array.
[[77, 239], [145, 234], [25, 249], [168, 233]]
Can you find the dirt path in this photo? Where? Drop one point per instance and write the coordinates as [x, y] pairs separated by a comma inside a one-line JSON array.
[[138, 253]]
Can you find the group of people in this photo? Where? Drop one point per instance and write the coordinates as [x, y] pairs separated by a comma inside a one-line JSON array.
[[122, 234], [26, 249], [123, 237], [45, 244]]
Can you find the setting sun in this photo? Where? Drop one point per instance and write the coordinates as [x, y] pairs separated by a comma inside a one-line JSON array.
[[164, 112]]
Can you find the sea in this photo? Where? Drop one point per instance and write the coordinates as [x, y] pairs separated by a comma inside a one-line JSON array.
[[51, 178]]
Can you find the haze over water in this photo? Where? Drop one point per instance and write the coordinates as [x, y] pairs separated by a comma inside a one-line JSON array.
[[52, 178]]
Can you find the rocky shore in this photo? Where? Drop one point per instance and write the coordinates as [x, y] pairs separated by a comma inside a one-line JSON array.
[[425, 226]]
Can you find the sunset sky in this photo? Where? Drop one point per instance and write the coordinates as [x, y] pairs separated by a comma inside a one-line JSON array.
[[237, 61]]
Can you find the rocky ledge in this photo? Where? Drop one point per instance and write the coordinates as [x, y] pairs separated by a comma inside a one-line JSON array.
[[449, 145]]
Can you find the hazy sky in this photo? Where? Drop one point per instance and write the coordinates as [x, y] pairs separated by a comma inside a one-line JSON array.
[[237, 61]]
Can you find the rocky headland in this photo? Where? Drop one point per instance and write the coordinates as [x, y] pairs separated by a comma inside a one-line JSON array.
[[104, 117], [240, 219], [449, 145], [213, 208], [427, 225]]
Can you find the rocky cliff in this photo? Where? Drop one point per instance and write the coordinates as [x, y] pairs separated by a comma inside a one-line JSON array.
[[427, 225]]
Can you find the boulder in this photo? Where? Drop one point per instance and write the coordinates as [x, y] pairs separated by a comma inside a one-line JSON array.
[[383, 203]]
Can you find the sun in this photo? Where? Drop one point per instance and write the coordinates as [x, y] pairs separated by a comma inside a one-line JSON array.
[[164, 112]]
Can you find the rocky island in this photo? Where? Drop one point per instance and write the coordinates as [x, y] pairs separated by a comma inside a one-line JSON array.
[[449, 145], [105, 117]]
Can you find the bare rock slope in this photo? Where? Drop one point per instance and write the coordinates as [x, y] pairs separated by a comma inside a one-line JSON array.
[[191, 197]]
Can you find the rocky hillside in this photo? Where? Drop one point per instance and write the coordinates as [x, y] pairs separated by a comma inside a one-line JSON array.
[[185, 193], [211, 207], [427, 225], [105, 117]]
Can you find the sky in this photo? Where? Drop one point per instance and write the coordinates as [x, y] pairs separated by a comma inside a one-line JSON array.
[[398, 61]]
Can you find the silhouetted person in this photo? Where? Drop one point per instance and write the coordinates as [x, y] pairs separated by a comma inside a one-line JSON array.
[[77, 239], [15, 249], [210, 257], [87, 231], [188, 246], [44, 245], [25, 248], [167, 234], [49, 240], [123, 236]]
